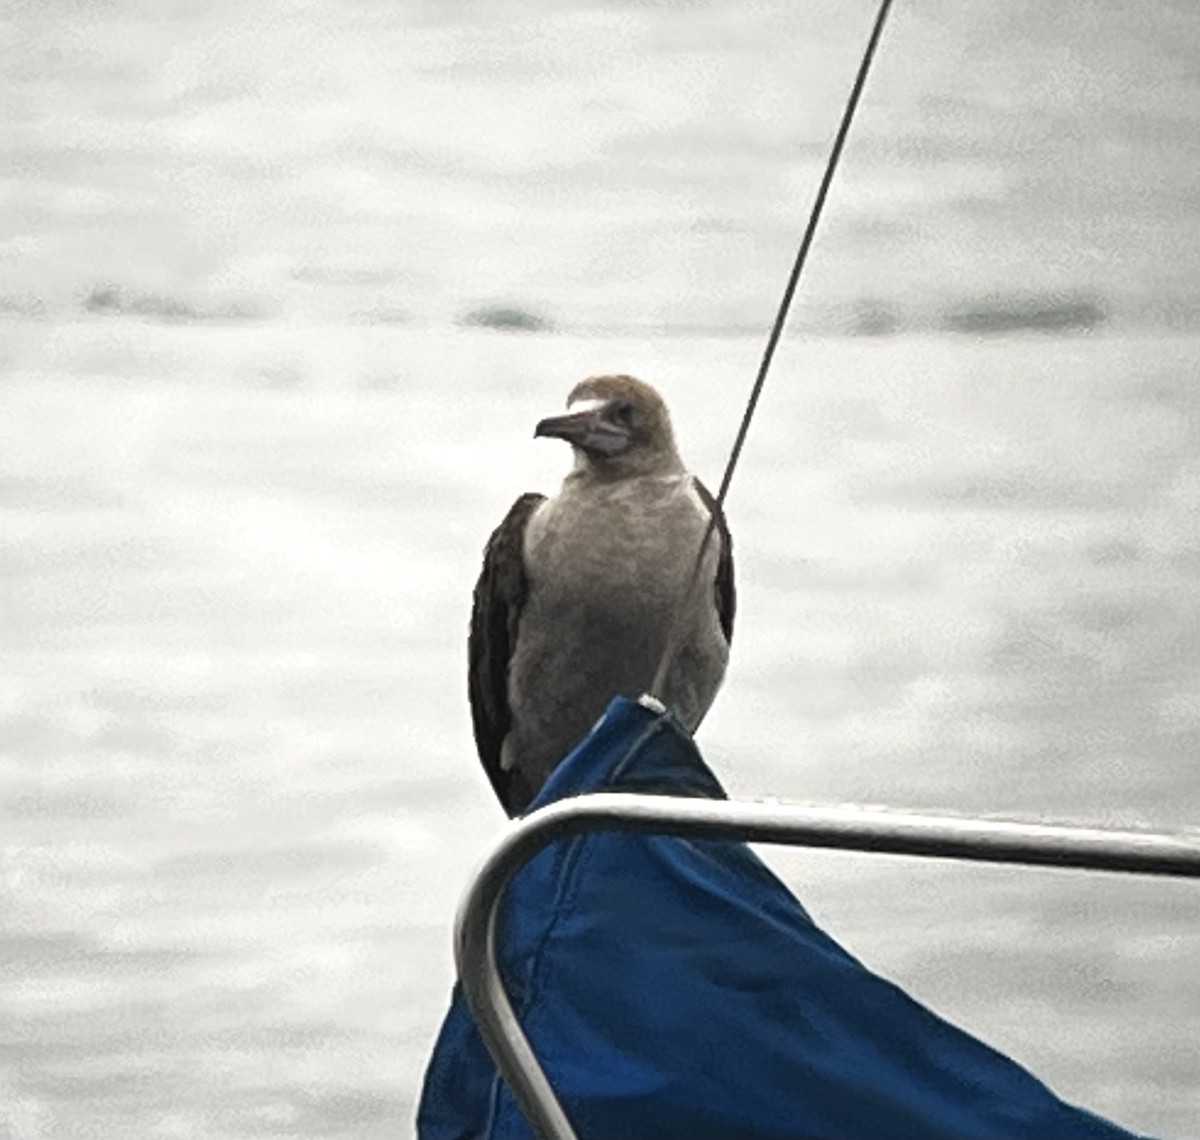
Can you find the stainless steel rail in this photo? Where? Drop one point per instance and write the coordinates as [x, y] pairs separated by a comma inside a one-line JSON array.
[[851, 829]]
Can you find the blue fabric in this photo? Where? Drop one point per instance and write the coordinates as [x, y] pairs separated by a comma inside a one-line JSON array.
[[678, 990]]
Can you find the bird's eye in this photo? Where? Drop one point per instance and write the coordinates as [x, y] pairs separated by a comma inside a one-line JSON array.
[[622, 413]]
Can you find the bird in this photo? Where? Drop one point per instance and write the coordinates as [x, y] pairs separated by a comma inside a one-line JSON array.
[[580, 592]]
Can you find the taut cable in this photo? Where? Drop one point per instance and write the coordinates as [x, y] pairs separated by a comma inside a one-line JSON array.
[[658, 686]]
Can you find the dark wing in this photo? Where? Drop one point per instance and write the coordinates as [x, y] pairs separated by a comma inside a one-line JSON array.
[[725, 594], [499, 599]]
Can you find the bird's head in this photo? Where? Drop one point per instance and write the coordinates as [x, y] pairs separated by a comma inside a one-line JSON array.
[[618, 427]]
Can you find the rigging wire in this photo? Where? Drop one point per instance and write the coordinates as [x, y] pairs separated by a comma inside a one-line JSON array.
[[658, 686]]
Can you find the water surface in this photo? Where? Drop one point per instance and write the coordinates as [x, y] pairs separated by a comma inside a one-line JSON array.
[[252, 442]]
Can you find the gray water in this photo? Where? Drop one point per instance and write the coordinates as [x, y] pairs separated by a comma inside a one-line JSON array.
[[254, 431]]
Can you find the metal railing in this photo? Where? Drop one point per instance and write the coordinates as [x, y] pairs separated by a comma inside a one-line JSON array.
[[797, 825]]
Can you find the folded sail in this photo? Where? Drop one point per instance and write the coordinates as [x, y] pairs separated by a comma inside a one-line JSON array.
[[676, 989]]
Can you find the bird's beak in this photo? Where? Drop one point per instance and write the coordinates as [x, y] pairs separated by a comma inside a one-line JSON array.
[[588, 430]]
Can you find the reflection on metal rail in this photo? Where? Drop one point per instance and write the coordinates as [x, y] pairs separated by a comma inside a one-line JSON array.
[[852, 829]]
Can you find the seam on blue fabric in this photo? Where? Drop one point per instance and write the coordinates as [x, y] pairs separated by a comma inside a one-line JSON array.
[[493, 1116], [564, 895], [573, 860], [577, 850], [653, 728]]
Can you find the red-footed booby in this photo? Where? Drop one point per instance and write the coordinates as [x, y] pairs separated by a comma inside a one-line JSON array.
[[578, 592]]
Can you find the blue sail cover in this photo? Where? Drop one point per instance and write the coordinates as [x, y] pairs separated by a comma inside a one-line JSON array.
[[677, 989]]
